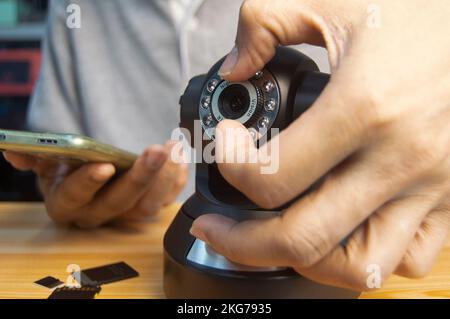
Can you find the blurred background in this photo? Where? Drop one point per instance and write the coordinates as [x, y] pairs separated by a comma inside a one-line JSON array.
[[22, 24]]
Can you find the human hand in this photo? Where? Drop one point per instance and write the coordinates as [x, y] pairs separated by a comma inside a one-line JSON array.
[[86, 196], [379, 133]]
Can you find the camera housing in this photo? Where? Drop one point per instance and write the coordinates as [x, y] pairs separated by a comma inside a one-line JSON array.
[[273, 98]]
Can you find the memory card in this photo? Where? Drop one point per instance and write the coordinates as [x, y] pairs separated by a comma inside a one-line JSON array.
[[49, 282], [105, 274], [75, 293]]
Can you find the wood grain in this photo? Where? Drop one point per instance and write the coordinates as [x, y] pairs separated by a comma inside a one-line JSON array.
[[32, 247]]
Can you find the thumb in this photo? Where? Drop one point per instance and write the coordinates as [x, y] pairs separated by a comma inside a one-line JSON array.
[[263, 25], [252, 242]]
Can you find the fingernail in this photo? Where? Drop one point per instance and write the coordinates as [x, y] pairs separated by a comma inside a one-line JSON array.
[[229, 63], [198, 234], [155, 159], [103, 173]]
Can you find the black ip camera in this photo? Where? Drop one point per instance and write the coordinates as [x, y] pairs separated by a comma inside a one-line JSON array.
[[273, 98]]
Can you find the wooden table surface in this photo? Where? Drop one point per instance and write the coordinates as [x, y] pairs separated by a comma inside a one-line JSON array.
[[32, 247]]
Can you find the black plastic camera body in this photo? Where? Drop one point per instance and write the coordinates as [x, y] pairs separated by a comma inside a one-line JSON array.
[[276, 96]]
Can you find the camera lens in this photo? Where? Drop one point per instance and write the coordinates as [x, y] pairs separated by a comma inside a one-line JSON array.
[[234, 101], [254, 103]]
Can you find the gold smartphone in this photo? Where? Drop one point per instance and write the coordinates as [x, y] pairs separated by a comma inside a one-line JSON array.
[[72, 148]]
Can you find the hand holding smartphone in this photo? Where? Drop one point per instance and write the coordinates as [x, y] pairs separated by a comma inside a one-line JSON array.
[[84, 192]]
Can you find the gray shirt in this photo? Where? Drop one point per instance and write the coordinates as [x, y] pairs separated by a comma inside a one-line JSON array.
[[118, 78]]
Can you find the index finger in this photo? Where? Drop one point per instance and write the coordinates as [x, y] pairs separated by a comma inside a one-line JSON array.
[[76, 190], [263, 25], [332, 129]]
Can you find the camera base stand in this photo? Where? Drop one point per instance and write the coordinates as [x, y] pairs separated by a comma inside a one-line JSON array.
[[184, 278]]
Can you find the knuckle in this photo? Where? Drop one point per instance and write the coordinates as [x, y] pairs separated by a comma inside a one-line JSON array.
[[361, 273], [419, 157], [425, 152], [415, 267], [180, 183], [366, 269], [367, 107], [248, 11], [137, 180], [414, 158], [303, 245], [149, 209], [363, 278], [370, 115], [256, 56], [70, 197], [262, 192], [252, 15], [364, 109]]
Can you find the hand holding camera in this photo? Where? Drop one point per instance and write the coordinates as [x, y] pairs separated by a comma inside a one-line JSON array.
[[379, 132]]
